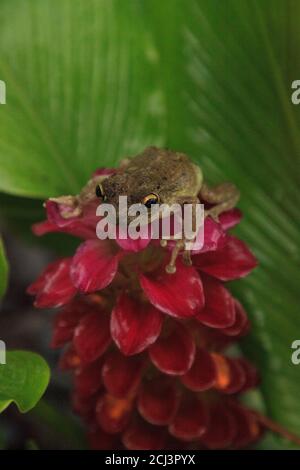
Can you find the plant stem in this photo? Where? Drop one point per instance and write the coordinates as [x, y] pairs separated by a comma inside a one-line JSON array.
[[276, 428]]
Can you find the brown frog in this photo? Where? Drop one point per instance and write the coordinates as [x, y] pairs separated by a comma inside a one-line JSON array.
[[158, 176]]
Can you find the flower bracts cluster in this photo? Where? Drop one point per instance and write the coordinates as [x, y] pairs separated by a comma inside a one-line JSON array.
[[147, 348]]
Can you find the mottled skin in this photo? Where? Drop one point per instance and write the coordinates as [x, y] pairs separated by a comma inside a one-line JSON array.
[[172, 176]]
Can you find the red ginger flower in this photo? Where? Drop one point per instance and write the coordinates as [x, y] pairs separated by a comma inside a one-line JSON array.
[[148, 348]]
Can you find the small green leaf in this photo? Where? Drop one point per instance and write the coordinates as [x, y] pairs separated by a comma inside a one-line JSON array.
[[3, 270], [23, 379]]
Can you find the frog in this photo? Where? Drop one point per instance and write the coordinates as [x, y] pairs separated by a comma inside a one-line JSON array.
[[158, 175]]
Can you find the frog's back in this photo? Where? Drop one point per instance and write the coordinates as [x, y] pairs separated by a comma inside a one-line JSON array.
[[172, 173]]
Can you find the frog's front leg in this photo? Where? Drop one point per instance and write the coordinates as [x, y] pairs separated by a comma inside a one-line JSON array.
[[171, 266], [181, 243], [224, 196], [179, 246], [124, 162]]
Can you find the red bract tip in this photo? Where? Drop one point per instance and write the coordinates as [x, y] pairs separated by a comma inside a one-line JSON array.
[[203, 373], [191, 419], [174, 352], [134, 325], [121, 375], [165, 291], [158, 400], [92, 336]]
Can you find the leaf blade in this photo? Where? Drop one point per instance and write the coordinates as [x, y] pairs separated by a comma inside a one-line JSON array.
[[23, 380], [239, 125], [86, 97]]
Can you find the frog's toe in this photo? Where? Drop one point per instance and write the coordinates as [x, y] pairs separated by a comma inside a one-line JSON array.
[[187, 258], [214, 214], [170, 269]]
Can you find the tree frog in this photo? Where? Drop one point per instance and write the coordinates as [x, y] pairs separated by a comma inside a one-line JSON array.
[[160, 176]]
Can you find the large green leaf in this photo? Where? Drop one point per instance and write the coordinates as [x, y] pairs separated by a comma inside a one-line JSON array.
[[236, 62], [23, 379], [91, 81], [82, 91]]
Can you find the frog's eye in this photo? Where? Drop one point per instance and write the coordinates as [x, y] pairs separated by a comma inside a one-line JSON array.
[[99, 191], [149, 200]]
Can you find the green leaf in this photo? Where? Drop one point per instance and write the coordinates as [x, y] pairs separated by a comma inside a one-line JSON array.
[[82, 91], [92, 81], [3, 270], [235, 63], [23, 380], [59, 421]]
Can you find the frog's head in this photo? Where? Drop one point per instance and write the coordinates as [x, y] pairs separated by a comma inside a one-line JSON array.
[[136, 187], [152, 177]]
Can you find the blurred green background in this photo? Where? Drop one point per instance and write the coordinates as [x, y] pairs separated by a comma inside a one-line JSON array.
[[91, 81]]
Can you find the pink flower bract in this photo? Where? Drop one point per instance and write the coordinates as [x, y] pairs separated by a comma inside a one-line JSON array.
[[148, 348]]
